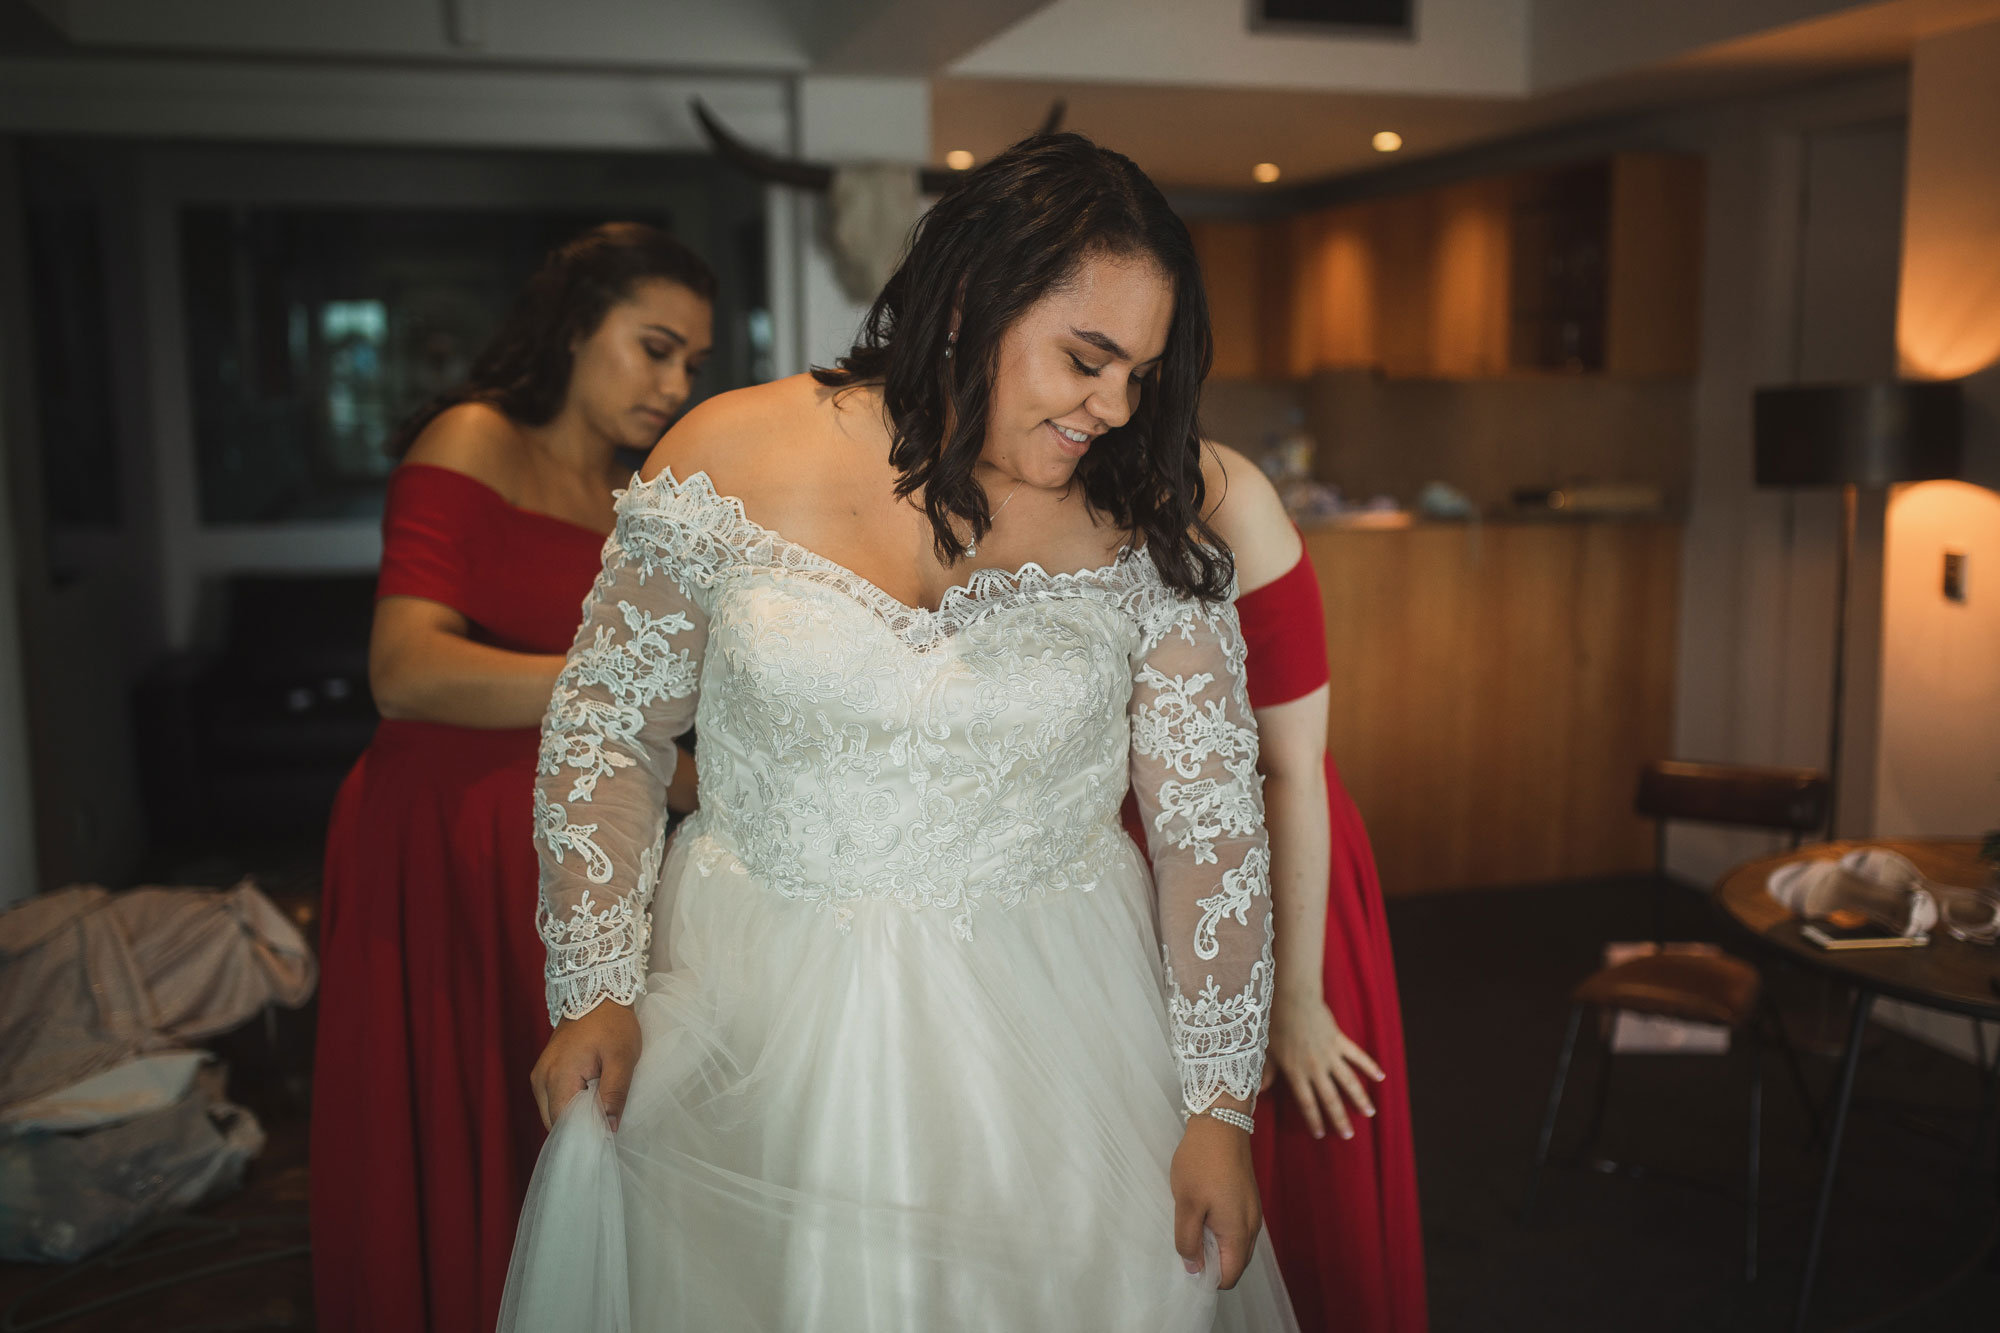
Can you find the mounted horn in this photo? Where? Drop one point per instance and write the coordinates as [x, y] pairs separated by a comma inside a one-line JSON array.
[[818, 176], [764, 166]]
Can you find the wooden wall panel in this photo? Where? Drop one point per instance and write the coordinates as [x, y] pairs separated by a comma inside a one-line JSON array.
[[1495, 688], [1653, 284], [1301, 240], [1401, 233], [1232, 270], [1470, 277]]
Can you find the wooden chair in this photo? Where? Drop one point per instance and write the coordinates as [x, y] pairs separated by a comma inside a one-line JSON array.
[[1701, 988]]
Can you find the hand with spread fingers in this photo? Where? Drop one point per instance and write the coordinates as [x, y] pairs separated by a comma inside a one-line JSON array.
[[1326, 1071]]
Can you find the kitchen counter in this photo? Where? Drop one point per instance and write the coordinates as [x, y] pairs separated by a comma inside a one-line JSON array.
[[1399, 520], [1495, 686]]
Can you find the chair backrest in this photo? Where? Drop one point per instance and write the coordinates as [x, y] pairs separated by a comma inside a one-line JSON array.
[[1792, 799]]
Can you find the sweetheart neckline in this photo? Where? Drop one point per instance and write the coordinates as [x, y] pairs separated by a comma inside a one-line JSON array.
[[986, 587]]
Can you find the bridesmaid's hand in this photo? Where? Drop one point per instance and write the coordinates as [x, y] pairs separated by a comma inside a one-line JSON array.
[[1215, 1186], [602, 1045], [1319, 1063]]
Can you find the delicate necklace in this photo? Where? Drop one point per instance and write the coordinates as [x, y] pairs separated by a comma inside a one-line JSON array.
[[972, 547]]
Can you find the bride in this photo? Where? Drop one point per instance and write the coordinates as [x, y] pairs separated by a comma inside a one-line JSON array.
[[900, 1032]]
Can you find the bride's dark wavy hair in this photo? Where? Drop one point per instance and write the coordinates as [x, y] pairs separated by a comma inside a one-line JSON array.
[[1005, 235], [524, 368]]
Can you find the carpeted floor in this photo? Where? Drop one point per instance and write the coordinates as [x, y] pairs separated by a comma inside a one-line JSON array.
[[1485, 978]]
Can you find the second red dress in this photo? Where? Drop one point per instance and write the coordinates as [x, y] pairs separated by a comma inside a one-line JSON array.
[[1342, 1212], [424, 1131]]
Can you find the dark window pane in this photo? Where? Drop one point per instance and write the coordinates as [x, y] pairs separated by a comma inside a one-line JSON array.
[[72, 351], [312, 332]]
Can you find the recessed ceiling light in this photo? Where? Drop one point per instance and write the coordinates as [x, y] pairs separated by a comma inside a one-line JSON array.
[[1388, 141], [1265, 172], [958, 159]]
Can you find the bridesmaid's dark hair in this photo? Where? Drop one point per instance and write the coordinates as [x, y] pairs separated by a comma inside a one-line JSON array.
[[1005, 235], [524, 368]]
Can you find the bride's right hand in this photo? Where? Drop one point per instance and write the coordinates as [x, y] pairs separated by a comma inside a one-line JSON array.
[[1215, 1187], [602, 1045]]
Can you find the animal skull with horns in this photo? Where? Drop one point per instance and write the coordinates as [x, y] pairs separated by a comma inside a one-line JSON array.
[[871, 206]]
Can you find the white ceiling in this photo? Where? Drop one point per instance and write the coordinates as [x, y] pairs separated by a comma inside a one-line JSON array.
[[1182, 85], [1632, 55], [1211, 137]]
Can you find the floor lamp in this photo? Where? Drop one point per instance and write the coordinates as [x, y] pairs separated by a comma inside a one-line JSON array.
[[1873, 434]]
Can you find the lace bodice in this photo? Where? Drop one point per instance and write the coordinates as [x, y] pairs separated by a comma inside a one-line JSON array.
[[963, 761]]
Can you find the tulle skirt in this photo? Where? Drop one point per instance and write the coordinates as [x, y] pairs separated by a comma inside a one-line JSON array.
[[874, 1122]]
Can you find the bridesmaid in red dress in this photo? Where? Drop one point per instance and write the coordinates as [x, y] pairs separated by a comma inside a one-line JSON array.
[[1339, 1186], [424, 1132]]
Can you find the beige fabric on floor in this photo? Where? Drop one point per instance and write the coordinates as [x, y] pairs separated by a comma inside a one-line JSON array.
[[90, 978]]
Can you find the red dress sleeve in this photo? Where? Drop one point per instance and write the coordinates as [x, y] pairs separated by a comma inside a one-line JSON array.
[[429, 530], [1284, 628]]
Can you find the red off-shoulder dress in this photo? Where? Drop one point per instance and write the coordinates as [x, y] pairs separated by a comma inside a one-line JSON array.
[[424, 1131], [1341, 1213]]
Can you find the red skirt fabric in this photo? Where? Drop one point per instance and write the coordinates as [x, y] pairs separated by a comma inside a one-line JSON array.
[[424, 1129], [1343, 1213], [424, 1132]]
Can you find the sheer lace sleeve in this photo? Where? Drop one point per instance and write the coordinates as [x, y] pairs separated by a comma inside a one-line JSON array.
[[1194, 771], [607, 748]]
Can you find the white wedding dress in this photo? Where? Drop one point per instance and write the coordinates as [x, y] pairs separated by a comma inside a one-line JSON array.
[[915, 1056]]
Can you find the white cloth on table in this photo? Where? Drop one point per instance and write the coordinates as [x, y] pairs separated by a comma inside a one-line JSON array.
[[1874, 880]]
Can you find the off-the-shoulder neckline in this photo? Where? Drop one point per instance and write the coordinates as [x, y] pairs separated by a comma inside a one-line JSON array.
[[980, 588], [494, 493]]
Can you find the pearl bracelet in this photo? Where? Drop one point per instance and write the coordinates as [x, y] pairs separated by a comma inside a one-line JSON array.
[[1229, 1117]]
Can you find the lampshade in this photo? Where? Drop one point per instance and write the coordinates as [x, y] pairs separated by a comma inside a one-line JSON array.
[[1872, 434]]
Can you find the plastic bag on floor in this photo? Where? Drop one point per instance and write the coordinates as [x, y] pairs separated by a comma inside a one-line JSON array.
[[65, 1196], [137, 1087]]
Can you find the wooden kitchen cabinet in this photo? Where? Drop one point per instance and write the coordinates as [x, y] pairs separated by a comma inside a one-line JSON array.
[[1402, 242], [1588, 269], [1465, 279], [1243, 272], [1325, 250], [1653, 285]]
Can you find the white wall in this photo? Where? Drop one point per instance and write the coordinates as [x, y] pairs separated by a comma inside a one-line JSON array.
[[1949, 319], [1939, 763], [1939, 772], [846, 120]]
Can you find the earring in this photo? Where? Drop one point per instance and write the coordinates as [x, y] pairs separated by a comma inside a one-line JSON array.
[[950, 344]]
